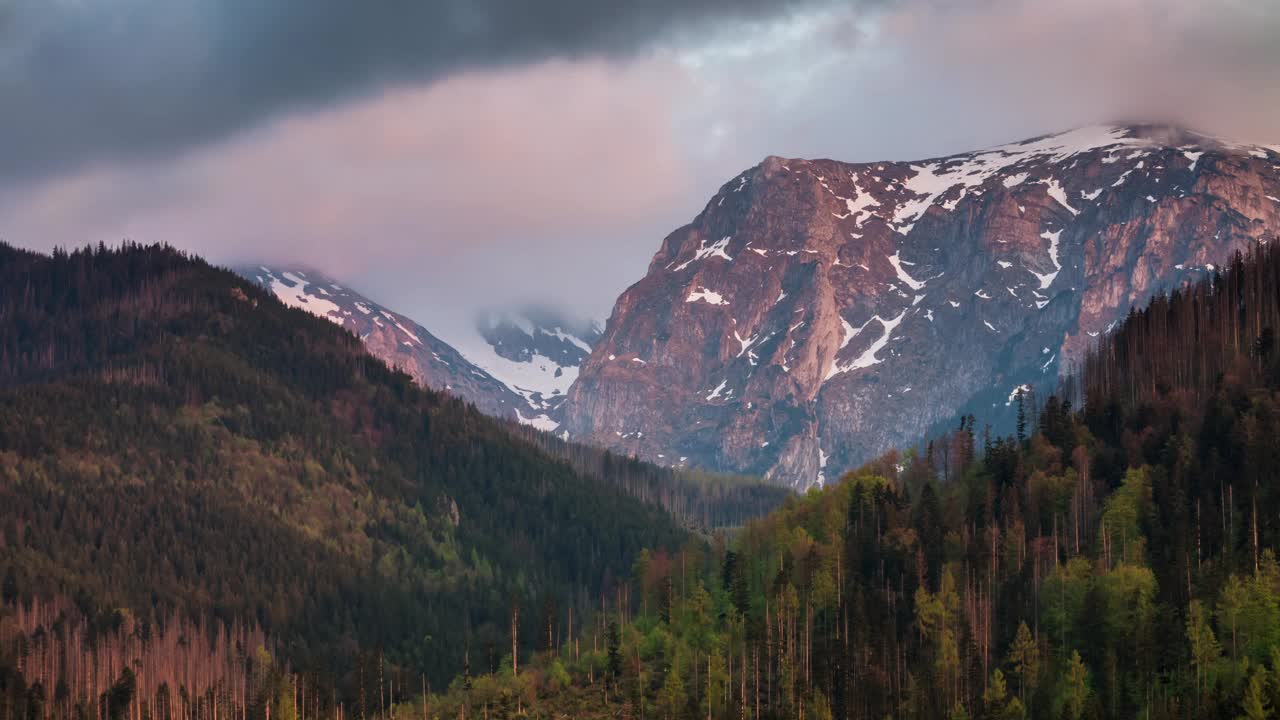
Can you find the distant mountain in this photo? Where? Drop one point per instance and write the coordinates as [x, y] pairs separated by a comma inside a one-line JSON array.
[[511, 364], [400, 341], [817, 313], [535, 352]]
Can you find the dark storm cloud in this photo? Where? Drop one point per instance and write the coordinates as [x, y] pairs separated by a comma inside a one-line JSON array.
[[101, 79]]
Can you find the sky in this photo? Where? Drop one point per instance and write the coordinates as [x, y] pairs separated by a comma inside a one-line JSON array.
[[450, 156]]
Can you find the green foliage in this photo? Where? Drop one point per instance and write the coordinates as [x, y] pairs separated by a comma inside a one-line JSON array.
[[1205, 649], [1097, 567], [997, 692], [1076, 687], [557, 677], [1064, 595], [615, 650], [1103, 563], [1252, 606], [1256, 705], [1024, 658], [174, 440], [1123, 514], [282, 705]]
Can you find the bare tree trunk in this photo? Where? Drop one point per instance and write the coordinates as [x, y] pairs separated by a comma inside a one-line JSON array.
[[515, 629], [1255, 527]]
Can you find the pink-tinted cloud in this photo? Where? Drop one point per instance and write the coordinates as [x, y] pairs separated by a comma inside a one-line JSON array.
[[557, 181], [1209, 64], [433, 179], [83, 81]]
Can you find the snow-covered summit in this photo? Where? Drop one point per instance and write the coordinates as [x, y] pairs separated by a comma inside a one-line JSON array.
[[816, 312], [534, 351], [397, 339], [515, 364]]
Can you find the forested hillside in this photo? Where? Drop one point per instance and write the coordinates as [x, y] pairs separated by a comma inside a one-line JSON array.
[[205, 491], [1114, 562], [699, 499]]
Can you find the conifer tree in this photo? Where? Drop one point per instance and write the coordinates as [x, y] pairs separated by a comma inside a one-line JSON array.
[[1255, 705]]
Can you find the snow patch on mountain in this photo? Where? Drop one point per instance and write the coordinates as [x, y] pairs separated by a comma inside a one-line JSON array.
[[290, 287], [910, 282], [718, 249], [541, 422], [1057, 193], [858, 206], [710, 297], [1047, 279], [535, 352], [537, 379], [869, 356], [936, 179]]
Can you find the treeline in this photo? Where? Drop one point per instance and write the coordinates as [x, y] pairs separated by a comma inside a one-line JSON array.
[[1188, 340], [176, 443], [57, 662], [1114, 561], [703, 501]]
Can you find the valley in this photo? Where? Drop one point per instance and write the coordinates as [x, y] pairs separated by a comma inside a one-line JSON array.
[[697, 360], [817, 313]]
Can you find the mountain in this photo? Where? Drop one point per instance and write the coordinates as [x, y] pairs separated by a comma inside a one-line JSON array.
[[179, 449], [1117, 562], [517, 367], [535, 352], [510, 364], [395, 338], [817, 313]]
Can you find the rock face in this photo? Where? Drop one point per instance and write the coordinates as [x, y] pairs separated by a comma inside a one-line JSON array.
[[817, 313], [395, 338]]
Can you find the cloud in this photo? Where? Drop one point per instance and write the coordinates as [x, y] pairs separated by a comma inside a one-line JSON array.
[[556, 180], [1209, 64], [489, 187], [921, 78], [85, 80]]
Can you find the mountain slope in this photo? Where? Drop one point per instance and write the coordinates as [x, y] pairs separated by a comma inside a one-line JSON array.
[[175, 441], [1120, 562], [395, 338], [514, 365], [817, 313], [535, 352], [533, 355]]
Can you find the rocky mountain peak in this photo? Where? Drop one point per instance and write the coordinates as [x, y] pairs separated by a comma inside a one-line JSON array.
[[817, 312]]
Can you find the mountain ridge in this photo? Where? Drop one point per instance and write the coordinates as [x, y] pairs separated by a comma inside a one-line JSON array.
[[513, 364], [770, 330]]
